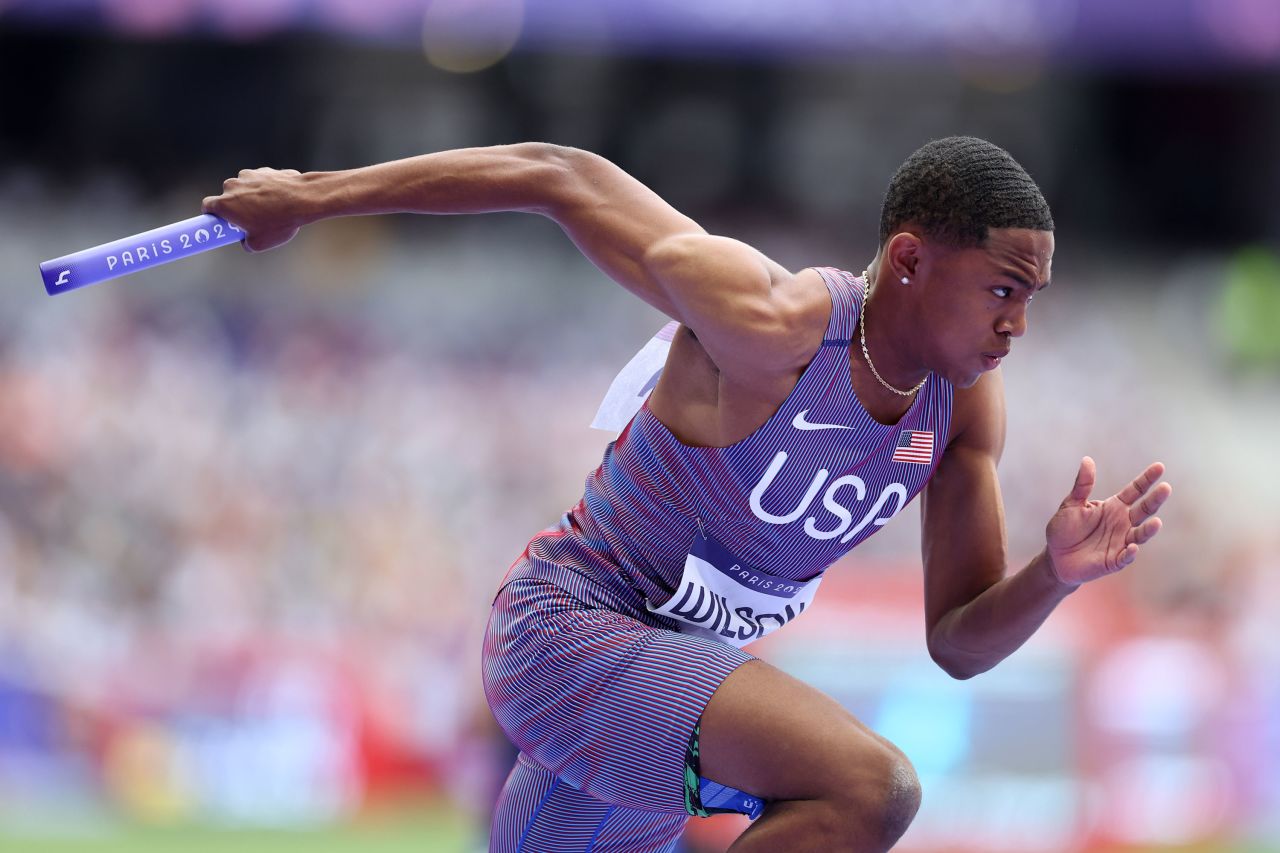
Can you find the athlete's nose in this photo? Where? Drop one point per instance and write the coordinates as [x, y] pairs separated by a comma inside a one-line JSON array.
[[1013, 322]]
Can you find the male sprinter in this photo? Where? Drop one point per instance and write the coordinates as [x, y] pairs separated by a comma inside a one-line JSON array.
[[792, 420]]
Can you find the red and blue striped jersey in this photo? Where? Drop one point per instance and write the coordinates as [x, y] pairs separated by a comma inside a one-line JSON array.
[[816, 479]]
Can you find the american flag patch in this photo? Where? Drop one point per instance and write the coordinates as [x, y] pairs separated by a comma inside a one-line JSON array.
[[914, 446]]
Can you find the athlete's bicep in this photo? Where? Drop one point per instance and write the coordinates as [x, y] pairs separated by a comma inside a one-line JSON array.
[[747, 311], [727, 292], [616, 221], [963, 538]]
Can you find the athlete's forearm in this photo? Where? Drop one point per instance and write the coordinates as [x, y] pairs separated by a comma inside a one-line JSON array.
[[528, 176], [615, 220], [975, 637]]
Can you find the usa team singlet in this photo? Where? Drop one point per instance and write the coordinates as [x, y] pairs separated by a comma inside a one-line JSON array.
[[613, 629]]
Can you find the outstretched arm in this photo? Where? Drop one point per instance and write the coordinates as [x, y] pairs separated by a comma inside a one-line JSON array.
[[727, 292], [976, 614]]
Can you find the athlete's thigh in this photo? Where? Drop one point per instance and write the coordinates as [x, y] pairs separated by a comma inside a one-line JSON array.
[[775, 737], [538, 812], [598, 698]]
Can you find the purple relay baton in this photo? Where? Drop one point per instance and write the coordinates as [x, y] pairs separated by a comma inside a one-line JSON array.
[[130, 254]]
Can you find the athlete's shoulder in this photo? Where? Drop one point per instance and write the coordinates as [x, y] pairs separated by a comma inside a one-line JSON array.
[[827, 289], [804, 305], [841, 278]]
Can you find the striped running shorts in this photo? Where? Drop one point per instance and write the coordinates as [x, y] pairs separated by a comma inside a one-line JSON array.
[[603, 702]]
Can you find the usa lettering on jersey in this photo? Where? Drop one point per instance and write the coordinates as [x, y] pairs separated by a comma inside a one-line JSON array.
[[839, 506]]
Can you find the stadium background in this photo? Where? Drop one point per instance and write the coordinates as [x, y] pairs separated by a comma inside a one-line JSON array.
[[252, 508]]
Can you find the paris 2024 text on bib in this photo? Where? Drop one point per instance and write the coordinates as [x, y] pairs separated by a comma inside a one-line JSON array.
[[720, 598]]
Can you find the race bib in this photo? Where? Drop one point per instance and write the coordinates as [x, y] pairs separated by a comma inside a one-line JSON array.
[[722, 599], [635, 382]]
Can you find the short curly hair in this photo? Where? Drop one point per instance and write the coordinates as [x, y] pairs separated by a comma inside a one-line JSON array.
[[958, 187]]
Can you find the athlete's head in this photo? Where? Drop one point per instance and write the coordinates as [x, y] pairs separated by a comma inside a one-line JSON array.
[[959, 188], [972, 234]]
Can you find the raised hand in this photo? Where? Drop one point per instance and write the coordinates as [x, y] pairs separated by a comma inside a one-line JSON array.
[[1088, 539], [266, 203]]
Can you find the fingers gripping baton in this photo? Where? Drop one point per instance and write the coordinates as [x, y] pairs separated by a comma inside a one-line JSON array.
[[130, 254]]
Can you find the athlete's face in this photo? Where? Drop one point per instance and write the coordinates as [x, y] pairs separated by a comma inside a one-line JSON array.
[[977, 299]]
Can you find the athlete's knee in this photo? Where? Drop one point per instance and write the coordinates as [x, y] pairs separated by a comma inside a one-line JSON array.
[[879, 799], [901, 800]]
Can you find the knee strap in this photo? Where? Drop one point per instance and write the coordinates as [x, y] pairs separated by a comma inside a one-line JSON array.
[[721, 799], [703, 797]]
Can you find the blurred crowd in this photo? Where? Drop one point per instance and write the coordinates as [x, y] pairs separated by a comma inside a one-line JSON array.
[[215, 509]]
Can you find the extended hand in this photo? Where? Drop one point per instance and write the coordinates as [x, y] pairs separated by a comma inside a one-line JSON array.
[[1088, 539], [266, 203]]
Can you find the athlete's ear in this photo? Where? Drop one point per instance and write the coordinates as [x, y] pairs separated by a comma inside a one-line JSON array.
[[902, 254]]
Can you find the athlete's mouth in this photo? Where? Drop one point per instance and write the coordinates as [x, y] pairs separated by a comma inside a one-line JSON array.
[[993, 358]]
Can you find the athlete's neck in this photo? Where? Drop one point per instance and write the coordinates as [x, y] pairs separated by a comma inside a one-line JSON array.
[[889, 345]]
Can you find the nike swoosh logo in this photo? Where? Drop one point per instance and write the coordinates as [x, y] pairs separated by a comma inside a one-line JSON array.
[[800, 423]]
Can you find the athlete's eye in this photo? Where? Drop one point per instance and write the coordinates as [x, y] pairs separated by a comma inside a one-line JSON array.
[[1002, 292]]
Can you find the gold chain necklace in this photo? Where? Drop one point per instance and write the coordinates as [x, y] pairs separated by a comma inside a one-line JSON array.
[[862, 338]]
